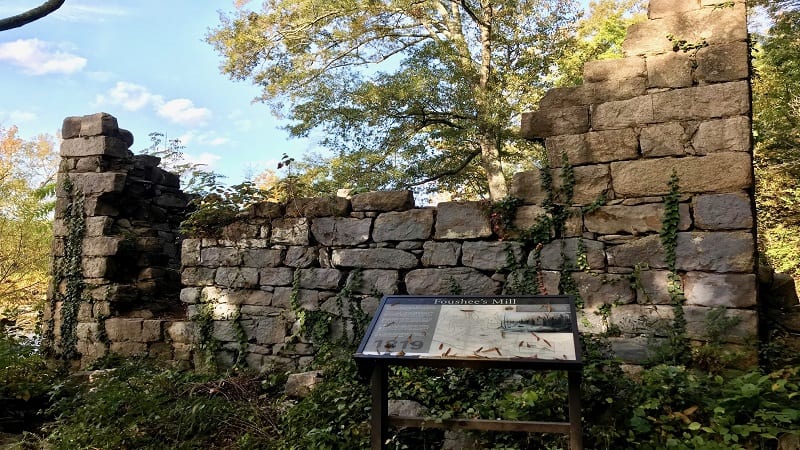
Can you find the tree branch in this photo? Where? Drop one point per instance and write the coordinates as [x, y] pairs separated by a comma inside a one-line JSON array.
[[447, 173], [29, 16]]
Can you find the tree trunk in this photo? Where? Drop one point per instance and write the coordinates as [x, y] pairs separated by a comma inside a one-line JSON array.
[[31, 15], [490, 160]]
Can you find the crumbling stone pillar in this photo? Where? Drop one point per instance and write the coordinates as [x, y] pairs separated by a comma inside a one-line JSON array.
[[115, 253]]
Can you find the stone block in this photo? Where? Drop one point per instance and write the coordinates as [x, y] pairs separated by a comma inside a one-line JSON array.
[[81, 147], [652, 287], [591, 183], [446, 281], [268, 330], [695, 174], [297, 256], [99, 123], [664, 139], [731, 290], [612, 90], [663, 8], [321, 279], [190, 252], [743, 329], [599, 289], [371, 281], [92, 183], [462, 220], [723, 211], [723, 62], [151, 330], [441, 253], [291, 231], [330, 231], [623, 114], [220, 257], [527, 216], [642, 319], [632, 350], [101, 245], [237, 277], [669, 70], [101, 267], [527, 186], [374, 258], [593, 147], [723, 135], [720, 251], [180, 332], [267, 210], [278, 276], [555, 121], [714, 25], [643, 251], [415, 224], [318, 207], [128, 348], [702, 102], [124, 329], [490, 255], [551, 254], [261, 257], [383, 201], [299, 385], [561, 97], [613, 69], [636, 219], [97, 226]]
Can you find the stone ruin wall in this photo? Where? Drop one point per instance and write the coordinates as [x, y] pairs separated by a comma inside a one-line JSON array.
[[624, 131]]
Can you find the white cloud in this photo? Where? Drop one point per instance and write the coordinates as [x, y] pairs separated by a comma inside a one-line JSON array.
[[132, 97], [207, 159], [17, 117], [37, 57], [77, 12], [207, 139], [182, 111]]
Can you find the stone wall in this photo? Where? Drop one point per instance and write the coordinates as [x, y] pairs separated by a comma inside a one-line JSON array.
[[679, 104]]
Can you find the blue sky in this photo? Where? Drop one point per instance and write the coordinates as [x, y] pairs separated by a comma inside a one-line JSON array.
[[146, 63]]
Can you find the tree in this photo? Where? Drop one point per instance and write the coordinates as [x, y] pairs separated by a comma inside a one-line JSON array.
[[409, 91], [27, 170], [776, 118], [30, 15]]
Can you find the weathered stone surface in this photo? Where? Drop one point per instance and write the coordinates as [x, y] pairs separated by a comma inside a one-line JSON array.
[[593, 147], [190, 295], [306, 298], [555, 121], [220, 256], [744, 331], [318, 207], [371, 281], [445, 281], [716, 251], [639, 219], [441, 253], [724, 62], [490, 255], [652, 286], [373, 258], [290, 231], [299, 256], [97, 267], [124, 329], [561, 97], [695, 174], [599, 289], [642, 319], [268, 210], [383, 201], [551, 254], [151, 330], [340, 230], [190, 252], [415, 224], [97, 226], [665, 139], [723, 211], [320, 279], [128, 348], [662, 8], [237, 277], [613, 69], [702, 102], [715, 25], [299, 385], [669, 70], [527, 186], [642, 251], [723, 135], [528, 216], [101, 245], [93, 183], [181, 332], [406, 408], [728, 290], [268, 330], [612, 90], [632, 350], [629, 113], [94, 146], [462, 220], [591, 183], [260, 257]]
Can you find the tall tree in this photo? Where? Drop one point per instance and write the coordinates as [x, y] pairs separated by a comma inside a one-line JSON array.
[[30, 15], [409, 91]]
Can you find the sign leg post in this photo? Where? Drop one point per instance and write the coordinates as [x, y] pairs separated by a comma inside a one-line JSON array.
[[380, 413], [575, 428]]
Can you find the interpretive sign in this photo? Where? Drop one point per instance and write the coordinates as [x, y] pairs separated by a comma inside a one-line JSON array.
[[530, 328], [520, 332]]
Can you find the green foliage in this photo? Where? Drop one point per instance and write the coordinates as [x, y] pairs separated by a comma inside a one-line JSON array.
[[684, 46], [404, 93], [207, 344], [219, 206]]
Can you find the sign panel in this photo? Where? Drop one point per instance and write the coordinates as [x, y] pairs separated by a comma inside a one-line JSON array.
[[542, 328]]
